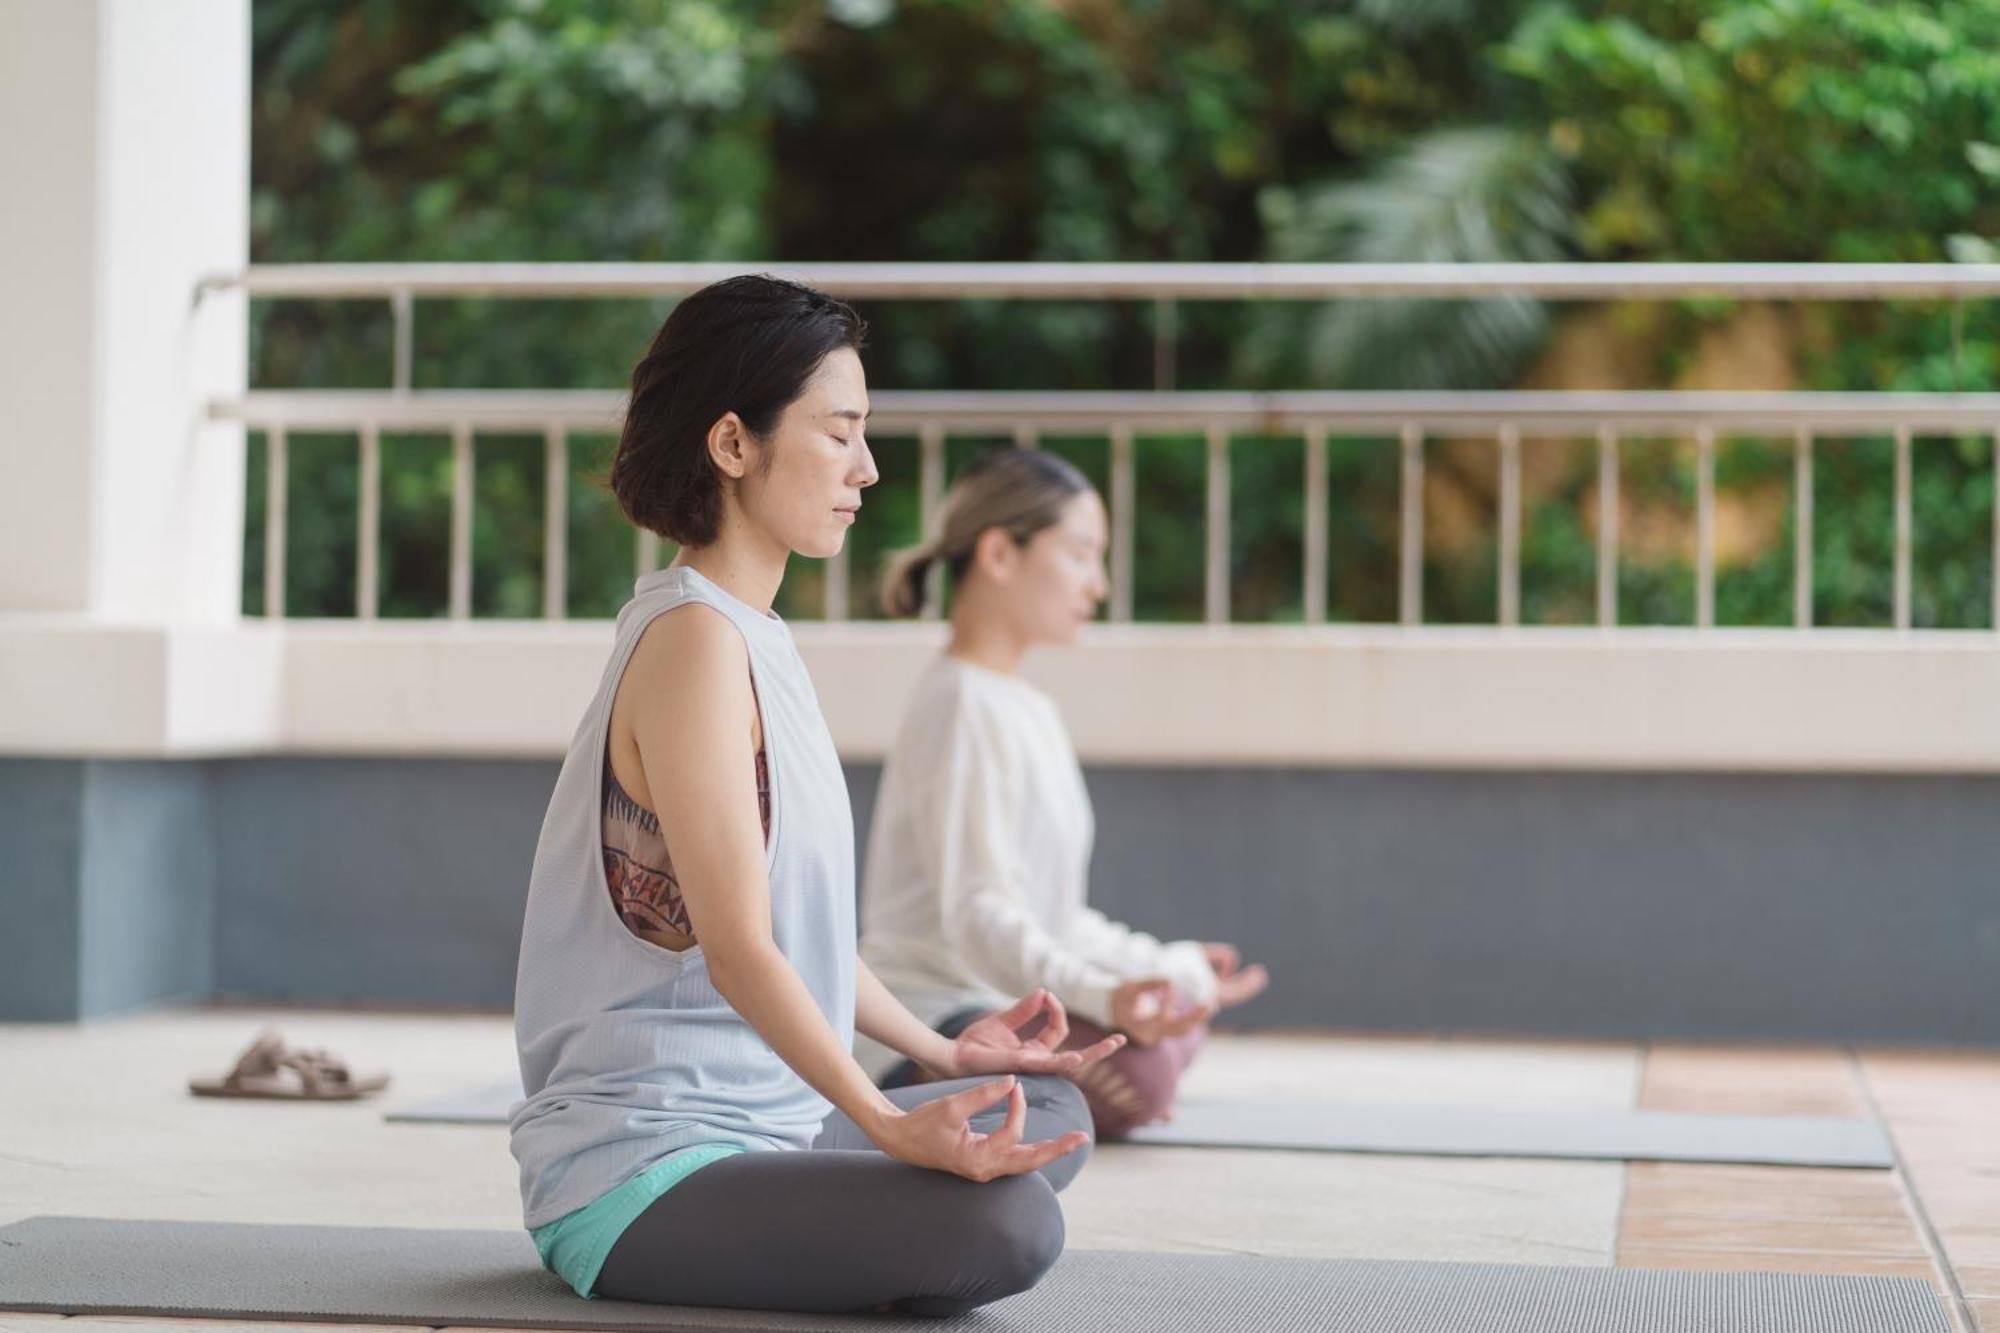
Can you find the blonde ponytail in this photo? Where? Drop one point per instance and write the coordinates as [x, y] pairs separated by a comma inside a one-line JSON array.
[[904, 579], [1020, 491]]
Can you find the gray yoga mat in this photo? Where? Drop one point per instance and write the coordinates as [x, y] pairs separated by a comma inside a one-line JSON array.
[[81, 1265], [487, 1104], [1429, 1131], [1452, 1131]]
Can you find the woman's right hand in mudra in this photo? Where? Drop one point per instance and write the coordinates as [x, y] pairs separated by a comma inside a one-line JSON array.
[[1148, 1010], [939, 1135]]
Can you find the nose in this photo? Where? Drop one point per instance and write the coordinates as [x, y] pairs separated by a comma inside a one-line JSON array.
[[869, 474]]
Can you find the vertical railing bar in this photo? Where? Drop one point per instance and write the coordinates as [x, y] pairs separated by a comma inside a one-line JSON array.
[[402, 310], [1215, 600], [1123, 492], [1904, 527], [1316, 524], [930, 508], [1410, 599], [1802, 528], [462, 464], [1166, 318], [275, 466], [1607, 525], [1510, 525], [555, 524], [1704, 556], [368, 537], [1026, 436], [646, 552]]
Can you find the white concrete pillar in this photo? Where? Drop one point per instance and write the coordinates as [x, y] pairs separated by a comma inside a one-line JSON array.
[[124, 170]]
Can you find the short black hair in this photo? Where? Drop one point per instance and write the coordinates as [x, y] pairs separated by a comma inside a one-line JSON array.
[[746, 345]]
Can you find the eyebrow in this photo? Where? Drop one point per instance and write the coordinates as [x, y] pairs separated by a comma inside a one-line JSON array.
[[850, 414]]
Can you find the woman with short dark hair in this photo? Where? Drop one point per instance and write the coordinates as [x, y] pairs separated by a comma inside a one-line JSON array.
[[696, 1130]]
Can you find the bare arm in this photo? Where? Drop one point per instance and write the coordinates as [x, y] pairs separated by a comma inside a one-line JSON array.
[[692, 720], [879, 1014], [692, 717]]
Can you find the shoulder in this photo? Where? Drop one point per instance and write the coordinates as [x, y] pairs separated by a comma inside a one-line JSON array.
[[955, 717], [950, 694], [690, 647]]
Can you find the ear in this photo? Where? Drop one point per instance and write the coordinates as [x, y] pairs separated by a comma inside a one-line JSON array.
[[729, 446], [995, 553]]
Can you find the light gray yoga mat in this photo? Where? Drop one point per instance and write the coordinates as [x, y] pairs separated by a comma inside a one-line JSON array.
[[1430, 1131], [487, 1104], [80, 1265], [1632, 1136]]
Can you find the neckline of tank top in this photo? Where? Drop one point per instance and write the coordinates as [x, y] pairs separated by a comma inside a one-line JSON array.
[[769, 622]]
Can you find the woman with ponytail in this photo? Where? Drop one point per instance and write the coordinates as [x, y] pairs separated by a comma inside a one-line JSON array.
[[978, 859]]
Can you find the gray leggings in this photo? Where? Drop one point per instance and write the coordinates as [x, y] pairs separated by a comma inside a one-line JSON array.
[[844, 1227]]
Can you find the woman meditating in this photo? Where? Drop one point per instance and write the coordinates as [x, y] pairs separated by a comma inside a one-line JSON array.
[[979, 855], [696, 1130]]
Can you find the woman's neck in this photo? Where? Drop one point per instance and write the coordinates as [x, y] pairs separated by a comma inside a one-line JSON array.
[[984, 641], [748, 570]]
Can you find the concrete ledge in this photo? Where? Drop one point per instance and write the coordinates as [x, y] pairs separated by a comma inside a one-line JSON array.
[[1639, 699]]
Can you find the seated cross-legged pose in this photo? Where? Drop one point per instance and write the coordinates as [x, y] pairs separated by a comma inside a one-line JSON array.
[[696, 1129], [980, 849]]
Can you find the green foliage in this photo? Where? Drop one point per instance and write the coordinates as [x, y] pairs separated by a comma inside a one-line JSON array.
[[1770, 129], [1426, 130], [1462, 196]]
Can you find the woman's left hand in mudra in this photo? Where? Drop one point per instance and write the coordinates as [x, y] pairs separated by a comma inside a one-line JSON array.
[[1234, 983], [994, 1045]]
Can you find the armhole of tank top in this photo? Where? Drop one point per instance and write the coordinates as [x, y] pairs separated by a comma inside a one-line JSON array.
[[602, 886]]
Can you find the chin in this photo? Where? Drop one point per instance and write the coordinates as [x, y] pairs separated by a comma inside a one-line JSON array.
[[822, 547]]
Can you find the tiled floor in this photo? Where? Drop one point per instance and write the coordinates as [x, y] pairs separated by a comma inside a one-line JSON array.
[[1936, 1217], [110, 1131]]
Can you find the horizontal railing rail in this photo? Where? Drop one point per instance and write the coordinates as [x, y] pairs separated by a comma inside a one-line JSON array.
[[1086, 281], [1165, 285]]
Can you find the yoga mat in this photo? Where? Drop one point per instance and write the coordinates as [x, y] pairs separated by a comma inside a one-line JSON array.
[[1631, 1136], [81, 1265], [1428, 1131], [487, 1104]]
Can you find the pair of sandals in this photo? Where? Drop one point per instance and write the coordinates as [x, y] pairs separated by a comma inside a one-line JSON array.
[[270, 1069]]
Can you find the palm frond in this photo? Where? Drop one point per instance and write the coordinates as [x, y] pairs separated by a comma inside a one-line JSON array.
[[1452, 197]]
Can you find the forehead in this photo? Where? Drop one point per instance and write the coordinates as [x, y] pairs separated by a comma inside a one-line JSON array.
[[1083, 515], [838, 387]]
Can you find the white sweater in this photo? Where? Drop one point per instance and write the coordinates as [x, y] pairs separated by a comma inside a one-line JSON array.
[[978, 862]]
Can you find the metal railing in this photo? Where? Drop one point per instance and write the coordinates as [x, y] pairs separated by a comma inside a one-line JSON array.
[[1123, 419]]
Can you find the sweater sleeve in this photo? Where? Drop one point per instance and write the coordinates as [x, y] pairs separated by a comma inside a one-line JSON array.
[[965, 841], [1133, 953]]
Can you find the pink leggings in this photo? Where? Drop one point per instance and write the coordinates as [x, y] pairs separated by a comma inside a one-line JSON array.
[[1135, 1085], [1131, 1088]]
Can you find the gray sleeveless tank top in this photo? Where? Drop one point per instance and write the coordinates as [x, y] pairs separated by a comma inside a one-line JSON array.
[[628, 1052]]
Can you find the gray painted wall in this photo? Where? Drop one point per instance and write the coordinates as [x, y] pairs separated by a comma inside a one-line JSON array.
[[397, 881], [41, 859], [107, 886], [1779, 906], [146, 901]]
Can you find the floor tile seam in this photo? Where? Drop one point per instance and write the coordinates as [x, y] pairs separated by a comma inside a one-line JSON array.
[[1734, 1247], [1956, 1305]]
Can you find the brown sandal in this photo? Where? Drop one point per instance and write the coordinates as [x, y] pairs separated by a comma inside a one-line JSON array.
[[270, 1069]]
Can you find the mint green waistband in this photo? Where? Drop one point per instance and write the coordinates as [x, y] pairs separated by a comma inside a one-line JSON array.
[[575, 1245]]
